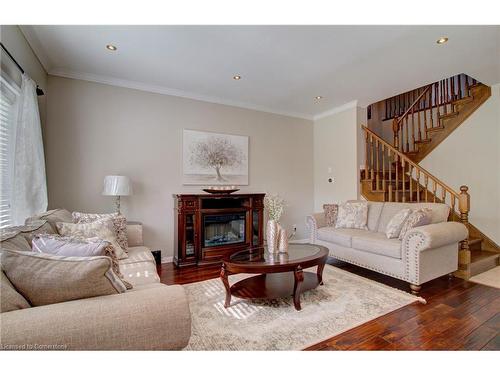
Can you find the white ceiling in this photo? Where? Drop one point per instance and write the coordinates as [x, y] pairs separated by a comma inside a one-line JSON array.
[[282, 67]]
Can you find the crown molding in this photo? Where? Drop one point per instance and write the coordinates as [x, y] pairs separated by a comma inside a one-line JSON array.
[[341, 108], [36, 46], [112, 81]]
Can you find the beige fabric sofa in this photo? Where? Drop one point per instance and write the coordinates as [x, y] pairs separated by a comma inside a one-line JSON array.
[[151, 316], [425, 253]]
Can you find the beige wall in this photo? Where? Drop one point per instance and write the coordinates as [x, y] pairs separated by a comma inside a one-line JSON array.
[[13, 39], [336, 156], [95, 129], [471, 156]]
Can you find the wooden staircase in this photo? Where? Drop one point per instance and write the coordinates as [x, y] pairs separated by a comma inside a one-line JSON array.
[[391, 175], [433, 112]]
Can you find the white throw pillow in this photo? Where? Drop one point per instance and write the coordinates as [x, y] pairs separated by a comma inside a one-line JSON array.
[[103, 229], [69, 246], [352, 215], [396, 223]]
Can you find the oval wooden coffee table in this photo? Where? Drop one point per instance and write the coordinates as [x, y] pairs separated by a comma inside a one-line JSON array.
[[279, 275]]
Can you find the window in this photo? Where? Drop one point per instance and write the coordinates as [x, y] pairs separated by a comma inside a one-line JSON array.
[[9, 98]]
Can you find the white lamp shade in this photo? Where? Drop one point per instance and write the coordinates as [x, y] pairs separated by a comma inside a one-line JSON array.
[[117, 185]]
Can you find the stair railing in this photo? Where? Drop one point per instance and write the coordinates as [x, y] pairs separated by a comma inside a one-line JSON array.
[[401, 180], [423, 110]]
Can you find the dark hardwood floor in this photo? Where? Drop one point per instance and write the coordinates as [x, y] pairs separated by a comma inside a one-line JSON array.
[[459, 315]]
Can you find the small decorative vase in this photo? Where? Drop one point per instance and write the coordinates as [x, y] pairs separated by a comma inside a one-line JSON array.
[[282, 240], [272, 236]]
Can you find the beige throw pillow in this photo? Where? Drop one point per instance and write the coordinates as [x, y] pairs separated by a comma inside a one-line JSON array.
[[417, 218], [103, 229], [119, 224], [78, 247], [331, 211], [394, 226], [44, 279], [352, 215]]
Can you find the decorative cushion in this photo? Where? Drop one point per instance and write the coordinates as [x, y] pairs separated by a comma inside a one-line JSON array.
[[396, 223], [69, 246], [331, 211], [44, 279], [352, 215], [103, 229], [52, 217], [10, 299], [417, 218], [79, 247], [119, 224], [440, 212]]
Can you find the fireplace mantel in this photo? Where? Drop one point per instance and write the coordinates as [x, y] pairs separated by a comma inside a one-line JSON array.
[[210, 227]]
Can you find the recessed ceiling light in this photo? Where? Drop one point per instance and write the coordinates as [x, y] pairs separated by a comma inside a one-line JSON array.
[[236, 78], [442, 40], [318, 97], [111, 47]]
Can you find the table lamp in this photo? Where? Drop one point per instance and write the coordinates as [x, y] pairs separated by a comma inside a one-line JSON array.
[[117, 186]]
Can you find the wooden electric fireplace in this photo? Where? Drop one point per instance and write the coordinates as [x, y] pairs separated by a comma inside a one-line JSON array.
[[210, 227]]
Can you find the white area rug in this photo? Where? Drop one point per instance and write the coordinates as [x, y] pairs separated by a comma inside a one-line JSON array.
[[343, 302], [489, 278]]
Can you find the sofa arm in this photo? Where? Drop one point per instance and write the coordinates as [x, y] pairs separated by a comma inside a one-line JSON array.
[[313, 223], [153, 318], [435, 235]]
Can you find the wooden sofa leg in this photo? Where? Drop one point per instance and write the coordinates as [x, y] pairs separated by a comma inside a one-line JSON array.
[[415, 288]]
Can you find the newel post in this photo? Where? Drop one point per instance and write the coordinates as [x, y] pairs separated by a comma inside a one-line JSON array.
[[464, 257], [395, 130]]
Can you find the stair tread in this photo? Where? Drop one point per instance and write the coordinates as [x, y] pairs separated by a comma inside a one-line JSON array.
[[480, 255], [427, 140], [435, 129], [448, 115], [473, 241], [466, 99]]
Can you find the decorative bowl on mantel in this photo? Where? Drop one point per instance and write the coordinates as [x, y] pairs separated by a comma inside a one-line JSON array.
[[221, 189]]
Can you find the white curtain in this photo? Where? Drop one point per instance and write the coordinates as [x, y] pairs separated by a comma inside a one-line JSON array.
[[29, 190]]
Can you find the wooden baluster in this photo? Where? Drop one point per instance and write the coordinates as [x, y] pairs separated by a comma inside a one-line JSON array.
[[367, 156], [434, 189], [443, 101], [412, 129], [446, 90], [459, 87], [467, 87], [418, 185], [453, 94], [443, 195], [407, 135], [425, 112], [395, 131], [397, 179], [386, 113], [431, 116], [419, 134], [436, 99], [403, 178], [411, 183], [453, 201], [371, 158], [377, 175], [390, 167], [383, 167], [426, 182]]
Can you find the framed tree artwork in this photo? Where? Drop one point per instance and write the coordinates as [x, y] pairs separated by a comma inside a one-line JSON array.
[[214, 158]]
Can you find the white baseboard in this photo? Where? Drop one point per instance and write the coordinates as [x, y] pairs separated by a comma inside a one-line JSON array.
[[167, 259]]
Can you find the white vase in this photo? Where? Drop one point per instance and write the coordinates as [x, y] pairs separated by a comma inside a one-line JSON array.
[[282, 240], [272, 236]]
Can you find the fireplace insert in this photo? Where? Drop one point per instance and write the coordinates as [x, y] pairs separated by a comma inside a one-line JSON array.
[[223, 229]]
